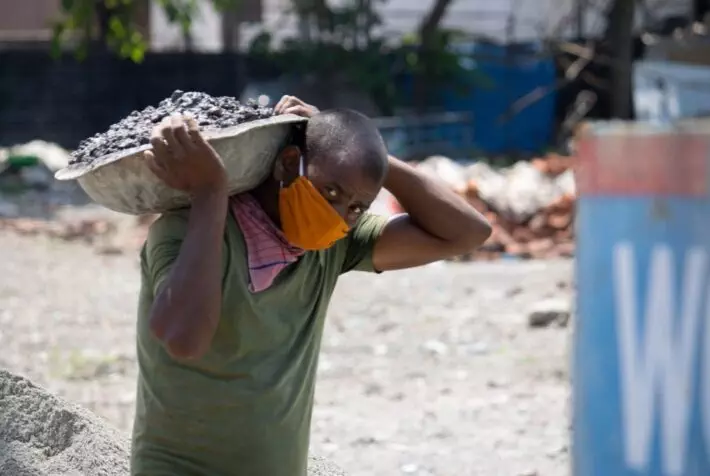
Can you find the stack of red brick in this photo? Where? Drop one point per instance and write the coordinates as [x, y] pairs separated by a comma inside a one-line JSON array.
[[549, 233]]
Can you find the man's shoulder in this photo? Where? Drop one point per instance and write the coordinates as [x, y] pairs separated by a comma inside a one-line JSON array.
[[169, 230], [173, 224]]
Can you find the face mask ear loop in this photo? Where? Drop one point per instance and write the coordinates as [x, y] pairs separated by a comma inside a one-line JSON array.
[[301, 170]]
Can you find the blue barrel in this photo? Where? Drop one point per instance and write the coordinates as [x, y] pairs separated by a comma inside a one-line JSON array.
[[641, 363]]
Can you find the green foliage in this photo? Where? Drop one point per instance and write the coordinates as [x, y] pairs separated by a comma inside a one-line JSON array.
[[82, 20], [112, 25], [345, 44]]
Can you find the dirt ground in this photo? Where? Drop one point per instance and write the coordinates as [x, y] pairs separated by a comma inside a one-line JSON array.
[[433, 371]]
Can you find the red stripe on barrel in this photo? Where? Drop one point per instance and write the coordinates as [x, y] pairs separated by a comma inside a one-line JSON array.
[[660, 164]]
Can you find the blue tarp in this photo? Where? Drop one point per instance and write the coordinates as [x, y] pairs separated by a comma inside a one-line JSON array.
[[510, 79]]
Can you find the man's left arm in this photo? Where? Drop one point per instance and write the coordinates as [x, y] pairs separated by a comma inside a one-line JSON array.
[[438, 223]]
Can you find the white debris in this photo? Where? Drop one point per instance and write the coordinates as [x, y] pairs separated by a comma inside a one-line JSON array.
[[4, 154], [519, 191], [445, 169], [409, 468], [51, 155], [436, 347]]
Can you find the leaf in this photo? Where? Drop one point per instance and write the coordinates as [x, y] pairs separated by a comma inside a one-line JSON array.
[[137, 55], [222, 5], [117, 27], [82, 51]]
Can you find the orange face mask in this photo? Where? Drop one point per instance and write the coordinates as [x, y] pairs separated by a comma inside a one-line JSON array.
[[307, 219]]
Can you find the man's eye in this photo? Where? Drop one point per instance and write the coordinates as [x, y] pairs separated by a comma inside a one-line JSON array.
[[357, 210], [331, 193]]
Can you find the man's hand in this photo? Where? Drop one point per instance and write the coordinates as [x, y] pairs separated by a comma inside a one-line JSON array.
[[183, 159], [293, 105]]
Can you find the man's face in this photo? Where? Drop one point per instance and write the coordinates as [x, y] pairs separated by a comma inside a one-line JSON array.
[[342, 182], [346, 187]]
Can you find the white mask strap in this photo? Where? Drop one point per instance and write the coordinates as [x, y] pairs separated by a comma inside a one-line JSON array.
[[301, 170]]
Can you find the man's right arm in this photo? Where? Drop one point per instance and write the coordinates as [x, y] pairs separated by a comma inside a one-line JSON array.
[[187, 306]]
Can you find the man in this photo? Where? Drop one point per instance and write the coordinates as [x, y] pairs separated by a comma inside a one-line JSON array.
[[235, 289]]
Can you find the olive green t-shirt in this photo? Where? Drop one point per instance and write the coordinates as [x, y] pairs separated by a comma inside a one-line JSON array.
[[244, 409]]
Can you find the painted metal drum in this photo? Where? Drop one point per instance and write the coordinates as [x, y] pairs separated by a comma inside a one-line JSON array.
[[641, 370]]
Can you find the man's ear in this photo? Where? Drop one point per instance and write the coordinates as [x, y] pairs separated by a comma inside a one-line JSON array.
[[286, 164]]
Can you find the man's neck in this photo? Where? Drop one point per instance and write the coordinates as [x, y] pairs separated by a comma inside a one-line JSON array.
[[267, 194]]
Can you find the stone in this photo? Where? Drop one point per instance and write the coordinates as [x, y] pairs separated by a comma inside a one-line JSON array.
[[550, 311], [44, 435], [134, 130]]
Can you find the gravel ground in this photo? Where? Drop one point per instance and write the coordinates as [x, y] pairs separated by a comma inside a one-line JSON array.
[[431, 371]]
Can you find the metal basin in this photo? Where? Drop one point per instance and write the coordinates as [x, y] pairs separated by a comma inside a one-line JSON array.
[[124, 183]]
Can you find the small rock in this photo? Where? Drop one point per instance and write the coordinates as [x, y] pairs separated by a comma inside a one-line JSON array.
[[364, 441], [476, 348], [556, 451], [497, 383], [380, 350], [109, 250], [409, 468], [436, 347], [514, 291], [550, 311], [373, 389], [531, 472]]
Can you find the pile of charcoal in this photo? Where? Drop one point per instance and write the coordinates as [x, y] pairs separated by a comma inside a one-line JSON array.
[[135, 129]]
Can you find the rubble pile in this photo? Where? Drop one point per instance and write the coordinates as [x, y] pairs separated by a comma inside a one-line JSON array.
[[530, 204], [134, 130]]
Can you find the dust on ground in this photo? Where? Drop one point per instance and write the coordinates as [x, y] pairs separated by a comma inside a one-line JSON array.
[[433, 371]]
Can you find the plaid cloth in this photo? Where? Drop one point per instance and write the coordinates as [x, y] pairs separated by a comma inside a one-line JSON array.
[[268, 251]]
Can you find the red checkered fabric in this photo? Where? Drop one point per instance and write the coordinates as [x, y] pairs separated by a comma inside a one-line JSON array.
[[268, 251]]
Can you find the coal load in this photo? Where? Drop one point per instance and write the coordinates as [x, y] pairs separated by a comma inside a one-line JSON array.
[[211, 113]]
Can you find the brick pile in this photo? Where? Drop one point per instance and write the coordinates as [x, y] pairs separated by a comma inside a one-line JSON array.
[[548, 233]]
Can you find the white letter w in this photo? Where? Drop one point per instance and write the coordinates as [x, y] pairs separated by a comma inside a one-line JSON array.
[[657, 357]]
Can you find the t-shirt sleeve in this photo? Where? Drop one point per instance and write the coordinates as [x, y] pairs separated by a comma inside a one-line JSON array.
[[360, 243], [165, 238]]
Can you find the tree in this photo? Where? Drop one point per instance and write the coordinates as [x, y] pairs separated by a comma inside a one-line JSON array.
[[429, 46], [340, 43], [111, 26], [618, 36]]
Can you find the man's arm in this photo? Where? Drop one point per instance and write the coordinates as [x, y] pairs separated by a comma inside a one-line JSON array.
[[438, 223], [187, 307]]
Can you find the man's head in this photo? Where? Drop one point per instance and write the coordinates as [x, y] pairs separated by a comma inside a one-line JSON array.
[[344, 157]]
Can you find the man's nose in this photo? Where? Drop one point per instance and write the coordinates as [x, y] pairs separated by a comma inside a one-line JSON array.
[[343, 211]]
